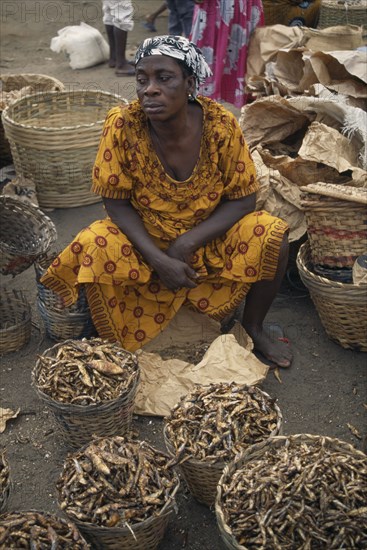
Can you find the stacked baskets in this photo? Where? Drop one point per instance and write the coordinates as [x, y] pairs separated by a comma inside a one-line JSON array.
[[14, 86], [336, 217], [54, 139], [61, 322]]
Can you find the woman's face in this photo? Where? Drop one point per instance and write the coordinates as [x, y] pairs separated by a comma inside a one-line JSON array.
[[162, 87]]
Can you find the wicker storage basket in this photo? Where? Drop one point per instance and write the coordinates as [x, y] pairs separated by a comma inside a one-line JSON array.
[[54, 139], [336, 217], [5, 483], [202, 476], [26, 233], [343, 12], [78, 423], [143, 535], [15, 320], [49, 531], [13, 86], [342, 307], [255, 453], [49, 298]]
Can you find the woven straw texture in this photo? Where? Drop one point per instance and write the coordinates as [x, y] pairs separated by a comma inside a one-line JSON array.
[[54, 139], [78, 423], [256, 452], [148, 534], [14, 83], [342, 308], [337, 228], [202, 477], [50, 299], [26, 233], [343, 12], [5, 483], [15, 320]]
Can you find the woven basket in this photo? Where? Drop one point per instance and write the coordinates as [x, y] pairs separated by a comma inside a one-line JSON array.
[[54, 140], [26, 233], [336, 217], [342, 308], [5, 483], [78, 423], [64, 531], [255, 452], [202, 476], [343, 12], [18, 85], [52, 301], [15, 320], [145, 535]]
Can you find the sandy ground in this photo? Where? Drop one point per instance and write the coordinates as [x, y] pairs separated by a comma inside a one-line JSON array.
[[321, 393]]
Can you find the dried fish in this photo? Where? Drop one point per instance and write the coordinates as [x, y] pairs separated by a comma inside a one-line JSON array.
[[354, 431], [215, 422], [41, 531], [85, 372], [130, 481], [302, 494]]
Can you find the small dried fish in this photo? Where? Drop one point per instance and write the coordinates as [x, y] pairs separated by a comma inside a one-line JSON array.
[[85, 372], [215, 422], [354, 431], [130, 481], [36, 530], [304, 495]]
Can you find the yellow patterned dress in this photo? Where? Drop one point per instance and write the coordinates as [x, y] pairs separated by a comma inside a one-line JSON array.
[[128, 302]]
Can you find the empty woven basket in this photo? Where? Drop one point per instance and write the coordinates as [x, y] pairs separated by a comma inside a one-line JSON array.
[[342, 307], [14, 86], [343, 12], [15, 320], [26, 234], [54, 139]]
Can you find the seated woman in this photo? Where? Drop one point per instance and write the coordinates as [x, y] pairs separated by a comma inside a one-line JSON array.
[[179, 187]]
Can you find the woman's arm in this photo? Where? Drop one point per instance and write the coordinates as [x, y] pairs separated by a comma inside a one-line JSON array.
[[173, 272], [219, 222]]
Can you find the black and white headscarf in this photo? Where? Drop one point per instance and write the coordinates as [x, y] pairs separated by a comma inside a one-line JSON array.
[[180, 48]]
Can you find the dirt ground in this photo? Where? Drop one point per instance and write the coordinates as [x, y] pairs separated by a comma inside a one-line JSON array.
[[323, 391]]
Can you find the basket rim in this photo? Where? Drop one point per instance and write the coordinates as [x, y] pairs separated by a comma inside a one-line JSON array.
[[302, 266], [7, 118], [99, 406], [220, 464]]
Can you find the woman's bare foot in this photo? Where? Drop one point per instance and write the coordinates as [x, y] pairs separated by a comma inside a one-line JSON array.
[[277, 351], [125, 70], [112, 63]]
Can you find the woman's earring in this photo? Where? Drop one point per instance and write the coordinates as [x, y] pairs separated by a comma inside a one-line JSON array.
[[190, 97]]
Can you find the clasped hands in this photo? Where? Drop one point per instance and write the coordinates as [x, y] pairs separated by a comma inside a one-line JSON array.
[[174, 270]]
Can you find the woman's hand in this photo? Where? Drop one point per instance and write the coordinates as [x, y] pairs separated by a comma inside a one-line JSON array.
[[175, 273]]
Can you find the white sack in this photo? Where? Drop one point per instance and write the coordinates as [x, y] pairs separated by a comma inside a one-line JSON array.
[[83, 44]]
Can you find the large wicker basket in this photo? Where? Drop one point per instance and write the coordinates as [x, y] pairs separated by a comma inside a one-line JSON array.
[[79, 423], [255, 452], [202, 476], [26, 234], [5, 482], [17, 528], [15, 320], [342, 307], [14, 86], [343, 12], [336, 217], [54, 139]]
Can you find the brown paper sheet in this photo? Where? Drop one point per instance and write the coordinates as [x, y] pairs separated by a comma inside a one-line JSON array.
[[228, 358]]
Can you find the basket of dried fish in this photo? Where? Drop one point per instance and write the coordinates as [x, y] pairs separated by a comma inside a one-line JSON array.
[[210, 425], [32, 529], [15, 320], [297, 491], [26, 234], [120, 493], [90, 386], [5, 484]]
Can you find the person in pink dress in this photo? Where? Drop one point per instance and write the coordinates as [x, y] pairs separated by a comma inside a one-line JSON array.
[[222, 30]]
